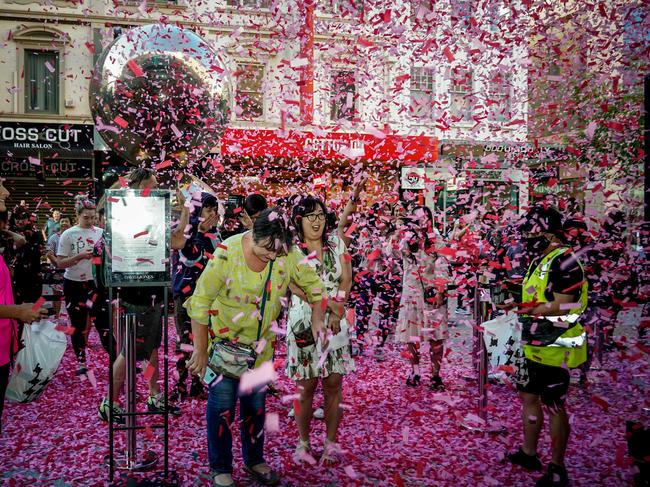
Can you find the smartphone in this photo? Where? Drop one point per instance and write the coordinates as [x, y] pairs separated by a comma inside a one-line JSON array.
[[235, 202], [210, 376]]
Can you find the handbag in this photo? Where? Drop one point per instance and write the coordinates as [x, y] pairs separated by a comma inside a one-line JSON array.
[[304, 338], [232, 359]]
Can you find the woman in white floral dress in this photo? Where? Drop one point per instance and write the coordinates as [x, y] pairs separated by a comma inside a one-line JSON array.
[[319, 354], [423, 311]]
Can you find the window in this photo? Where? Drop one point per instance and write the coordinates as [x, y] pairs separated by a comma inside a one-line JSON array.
[[422, 93], [554, 69], [499, 98], [495, 13], [420, 9], [343, 96], [249, 3], [461, 12], [460, 95], [352, 8], [41, 81], [249, 100]]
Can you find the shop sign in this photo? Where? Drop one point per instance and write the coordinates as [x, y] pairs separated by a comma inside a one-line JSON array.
[[504, 151], [22, 139], [413, 178], [50, 168], [329, 145]]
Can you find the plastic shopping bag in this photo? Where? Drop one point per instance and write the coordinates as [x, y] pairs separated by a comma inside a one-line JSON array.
[[37, 361], [502, 338]]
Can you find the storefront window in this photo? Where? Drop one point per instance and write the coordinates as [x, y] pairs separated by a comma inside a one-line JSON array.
[[344, 8], [499, 95], [461, 13], [460, 95], [249, 100], [343, 96], [249, 3], [422, 93], [419, 10], [41, 81]]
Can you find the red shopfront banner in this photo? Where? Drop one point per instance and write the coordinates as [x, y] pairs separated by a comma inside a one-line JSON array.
[[329, 145]]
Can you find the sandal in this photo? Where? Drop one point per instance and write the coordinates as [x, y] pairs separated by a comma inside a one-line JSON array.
[[330, 454], [267, 478], [302, 454]]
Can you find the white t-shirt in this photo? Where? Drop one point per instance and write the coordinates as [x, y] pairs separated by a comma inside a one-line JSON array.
[[74, 241]]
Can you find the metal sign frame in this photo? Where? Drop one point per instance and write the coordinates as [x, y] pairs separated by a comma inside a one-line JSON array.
[[139, 276]]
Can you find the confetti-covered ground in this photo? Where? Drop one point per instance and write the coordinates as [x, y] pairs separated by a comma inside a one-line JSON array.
[[393, 435]]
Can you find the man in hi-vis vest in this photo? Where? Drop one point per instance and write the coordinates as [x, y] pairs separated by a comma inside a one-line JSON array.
[[554, 295]]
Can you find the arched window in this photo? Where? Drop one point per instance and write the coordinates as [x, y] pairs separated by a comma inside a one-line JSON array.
[[40, 71]]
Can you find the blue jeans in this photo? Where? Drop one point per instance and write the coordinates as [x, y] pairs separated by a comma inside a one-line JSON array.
[[220, 415]]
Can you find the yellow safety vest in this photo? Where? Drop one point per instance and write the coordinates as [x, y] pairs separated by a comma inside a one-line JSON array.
[[571, 346]]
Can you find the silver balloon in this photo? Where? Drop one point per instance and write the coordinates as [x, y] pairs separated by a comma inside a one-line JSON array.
[[160, 93]]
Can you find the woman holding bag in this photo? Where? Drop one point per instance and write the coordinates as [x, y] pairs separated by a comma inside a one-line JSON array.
[[305, 364], [238, 297], [9, 312], [423, 311]]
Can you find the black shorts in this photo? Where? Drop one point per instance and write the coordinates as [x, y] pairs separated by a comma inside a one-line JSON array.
[[548, 382], [148, 328]]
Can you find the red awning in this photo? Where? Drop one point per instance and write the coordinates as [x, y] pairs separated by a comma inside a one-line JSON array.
[[329, 145]]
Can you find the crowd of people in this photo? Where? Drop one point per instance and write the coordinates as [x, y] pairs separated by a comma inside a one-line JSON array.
[[251, 281]]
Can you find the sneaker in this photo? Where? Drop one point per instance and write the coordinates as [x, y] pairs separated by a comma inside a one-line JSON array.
[[81, 370], [555, 476], [379, 355], [155, 404], [529, 462], [179, 393], [436, 384], [319, 413], [118, 412], [463, 312]]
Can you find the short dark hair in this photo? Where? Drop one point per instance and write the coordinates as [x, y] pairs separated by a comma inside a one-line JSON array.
[[139, 174], [255, 203], [272, 224], [543, 218]]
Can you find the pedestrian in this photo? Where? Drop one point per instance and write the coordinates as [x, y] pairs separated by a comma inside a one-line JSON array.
[[194, 241], [146, 303], [241, 213], [238, 297], [52, 225], [27, 269], [423, 313], [554, 297], [309, 360], [74, 254], [52, 244], [9, 312]]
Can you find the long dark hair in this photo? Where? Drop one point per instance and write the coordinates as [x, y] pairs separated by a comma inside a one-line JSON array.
[[305, 206], [420, 239]]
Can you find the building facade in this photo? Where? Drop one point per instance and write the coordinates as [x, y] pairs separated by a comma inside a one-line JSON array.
[[359, 77]]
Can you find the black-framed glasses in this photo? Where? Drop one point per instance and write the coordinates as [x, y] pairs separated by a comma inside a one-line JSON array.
[[315, 216]]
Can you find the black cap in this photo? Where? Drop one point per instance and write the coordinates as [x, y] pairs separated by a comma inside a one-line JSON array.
[[542, 218]]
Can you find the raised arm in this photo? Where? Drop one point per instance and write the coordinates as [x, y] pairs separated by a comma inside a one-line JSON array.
[[350, 208]]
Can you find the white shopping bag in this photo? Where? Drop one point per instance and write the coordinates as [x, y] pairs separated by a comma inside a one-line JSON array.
[[502, 337], [37, 362]]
